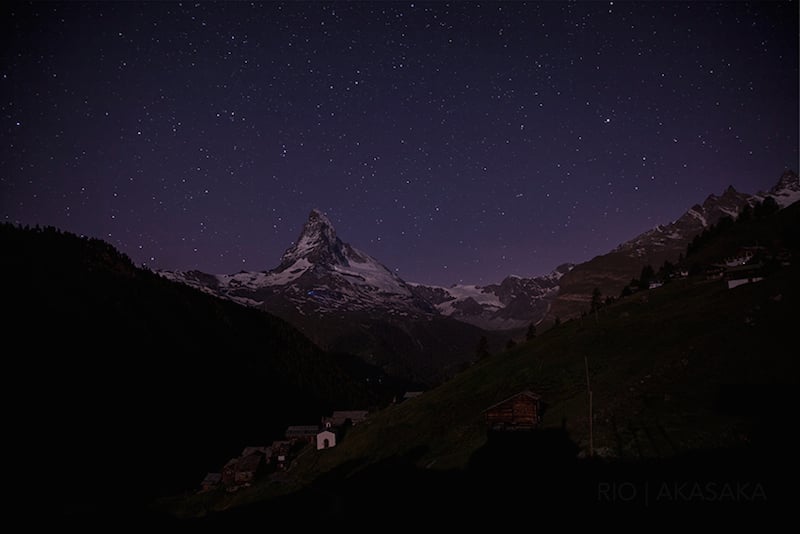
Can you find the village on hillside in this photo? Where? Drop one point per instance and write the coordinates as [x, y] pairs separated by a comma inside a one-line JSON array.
[[521, 411], [749, 264], [258, 461]]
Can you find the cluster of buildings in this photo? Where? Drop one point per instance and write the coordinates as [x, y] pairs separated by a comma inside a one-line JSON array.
[[748, 265], [255, 462]]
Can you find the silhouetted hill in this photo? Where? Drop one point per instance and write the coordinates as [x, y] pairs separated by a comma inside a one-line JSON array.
[[133, 386]]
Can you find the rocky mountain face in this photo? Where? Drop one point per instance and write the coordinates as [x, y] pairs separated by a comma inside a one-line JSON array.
[[612, 271]]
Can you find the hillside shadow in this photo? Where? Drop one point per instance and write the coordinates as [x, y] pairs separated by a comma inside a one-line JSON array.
[[532, 472], [539, 464], [511, 452]]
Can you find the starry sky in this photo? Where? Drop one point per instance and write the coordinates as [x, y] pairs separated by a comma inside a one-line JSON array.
[[455, 142]]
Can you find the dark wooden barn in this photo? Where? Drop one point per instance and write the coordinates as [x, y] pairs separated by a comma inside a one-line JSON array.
[[522, 411]]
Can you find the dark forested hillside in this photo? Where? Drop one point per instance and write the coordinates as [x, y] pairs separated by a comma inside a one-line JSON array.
[[138, 385]]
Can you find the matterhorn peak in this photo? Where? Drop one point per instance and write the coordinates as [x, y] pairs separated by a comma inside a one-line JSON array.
[[318, 215], [317, 244], [318, 224]]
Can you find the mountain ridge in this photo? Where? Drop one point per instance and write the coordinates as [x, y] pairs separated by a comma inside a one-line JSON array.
[[612, 271], [321, 274]]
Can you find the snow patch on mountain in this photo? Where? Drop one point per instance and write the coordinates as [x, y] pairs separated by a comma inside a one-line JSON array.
[[698, 216], [460, 293], [513, 303]]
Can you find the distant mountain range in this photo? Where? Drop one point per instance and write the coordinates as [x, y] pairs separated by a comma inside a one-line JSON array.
[[515, 302], [344, 299], [322, 275]]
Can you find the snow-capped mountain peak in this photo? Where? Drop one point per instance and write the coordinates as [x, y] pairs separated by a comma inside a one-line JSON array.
[[320, 247], [318, 273], [787, 190], [317, 244]]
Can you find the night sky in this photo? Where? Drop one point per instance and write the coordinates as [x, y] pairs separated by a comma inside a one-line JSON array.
[[453, 142]]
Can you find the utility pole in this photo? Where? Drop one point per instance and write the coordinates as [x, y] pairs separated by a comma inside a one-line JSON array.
[[589, 388]]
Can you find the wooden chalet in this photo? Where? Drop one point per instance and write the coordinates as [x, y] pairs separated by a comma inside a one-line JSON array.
[[519, 412]]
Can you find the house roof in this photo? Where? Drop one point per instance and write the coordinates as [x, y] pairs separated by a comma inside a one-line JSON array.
[[526, 393], [249, 463], [302, 430], [232, 462], [262, 449]]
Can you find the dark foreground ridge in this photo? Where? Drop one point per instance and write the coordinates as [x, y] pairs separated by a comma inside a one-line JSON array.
[[533, 472]]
